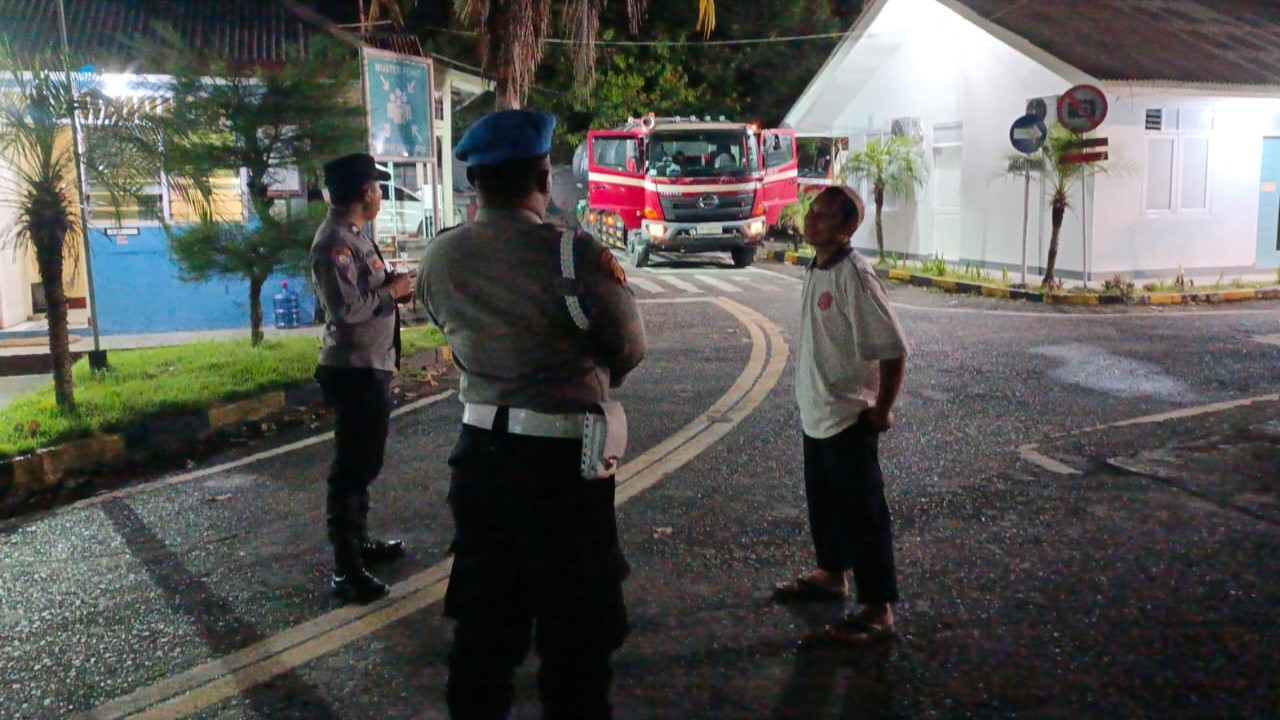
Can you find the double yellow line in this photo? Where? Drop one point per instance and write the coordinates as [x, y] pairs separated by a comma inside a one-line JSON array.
[[221, 678]]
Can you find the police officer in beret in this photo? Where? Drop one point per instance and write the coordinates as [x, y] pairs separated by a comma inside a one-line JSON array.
[[542, 325], [359, 354]]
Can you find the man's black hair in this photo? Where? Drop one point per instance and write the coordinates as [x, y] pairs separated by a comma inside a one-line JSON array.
[[848, 208], [346, 193], [510, 180]]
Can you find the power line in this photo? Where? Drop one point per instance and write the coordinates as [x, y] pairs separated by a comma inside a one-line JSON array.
[[636, 43]]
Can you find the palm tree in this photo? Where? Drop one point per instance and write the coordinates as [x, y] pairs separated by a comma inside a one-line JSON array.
[[1062, 180], [36, 111], [372, 11], [35, 142], [512, 34], [895, 166]]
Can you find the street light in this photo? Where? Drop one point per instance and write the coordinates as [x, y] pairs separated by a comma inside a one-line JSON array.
[[97, 358]]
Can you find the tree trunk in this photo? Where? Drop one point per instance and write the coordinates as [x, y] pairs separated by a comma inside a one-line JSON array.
[[255, 309], [880, 223], [505, 96], [1059, 212], [49, 262]]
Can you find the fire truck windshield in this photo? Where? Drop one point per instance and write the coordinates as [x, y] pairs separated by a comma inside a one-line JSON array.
[[700, 153]]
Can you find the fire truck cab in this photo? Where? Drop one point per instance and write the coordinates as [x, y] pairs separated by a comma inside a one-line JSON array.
[[686, 185]]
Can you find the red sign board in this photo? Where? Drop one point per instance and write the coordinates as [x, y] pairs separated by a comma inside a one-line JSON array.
[[1082, 108], [1080, 158]]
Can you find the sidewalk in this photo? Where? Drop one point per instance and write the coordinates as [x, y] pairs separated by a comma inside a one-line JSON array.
[[25, 363], [82, 339], [12, 388]]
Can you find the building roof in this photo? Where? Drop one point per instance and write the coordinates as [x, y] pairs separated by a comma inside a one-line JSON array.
[[1235, 42], [106, 33]]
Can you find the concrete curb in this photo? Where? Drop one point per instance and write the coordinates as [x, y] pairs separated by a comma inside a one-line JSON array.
[[964, 287], [53, 471]]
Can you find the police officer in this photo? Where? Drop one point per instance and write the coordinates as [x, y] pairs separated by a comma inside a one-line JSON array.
[[359, 354], [542, 324]]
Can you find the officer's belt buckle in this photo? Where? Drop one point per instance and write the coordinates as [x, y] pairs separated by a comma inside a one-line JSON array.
[[525, 422]]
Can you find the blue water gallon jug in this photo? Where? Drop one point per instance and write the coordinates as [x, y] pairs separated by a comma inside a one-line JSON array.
[[286, 308]]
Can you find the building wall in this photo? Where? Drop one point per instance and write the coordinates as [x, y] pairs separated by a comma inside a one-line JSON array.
[[1222, 238], [945, 71], [920, 59], [138, 290], [15, 288]]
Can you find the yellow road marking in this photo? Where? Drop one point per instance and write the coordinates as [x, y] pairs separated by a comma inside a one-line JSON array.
[[221, 678]]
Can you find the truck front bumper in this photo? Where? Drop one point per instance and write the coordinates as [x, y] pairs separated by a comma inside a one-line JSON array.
[[701, 237]]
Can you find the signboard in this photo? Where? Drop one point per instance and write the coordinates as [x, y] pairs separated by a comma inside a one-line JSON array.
[[285, 182], [121, 234], [1037, 107], [1080, 158], [398, 106], [1084, 150], [1082, 108], [1028, 134]]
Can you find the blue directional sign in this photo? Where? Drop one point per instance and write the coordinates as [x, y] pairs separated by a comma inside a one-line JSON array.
[[1028, 134], [400, 107]]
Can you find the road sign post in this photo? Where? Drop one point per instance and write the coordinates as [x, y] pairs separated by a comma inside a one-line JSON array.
[[1027, 135], [1081, 109]]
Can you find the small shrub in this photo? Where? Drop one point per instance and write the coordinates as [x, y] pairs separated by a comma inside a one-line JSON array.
[[1118, 285]]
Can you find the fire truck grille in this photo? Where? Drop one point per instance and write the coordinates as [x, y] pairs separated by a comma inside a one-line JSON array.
[[698, 209]]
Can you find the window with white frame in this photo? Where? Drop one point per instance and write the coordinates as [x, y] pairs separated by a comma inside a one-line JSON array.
[[1178, 156]]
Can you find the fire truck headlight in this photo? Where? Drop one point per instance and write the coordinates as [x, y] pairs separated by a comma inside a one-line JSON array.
[[755, 228], [657, 231]]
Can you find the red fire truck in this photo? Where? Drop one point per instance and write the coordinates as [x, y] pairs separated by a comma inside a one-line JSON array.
[[686, 185]]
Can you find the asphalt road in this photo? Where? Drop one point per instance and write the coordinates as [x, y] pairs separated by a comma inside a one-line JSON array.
[[1053, 564]]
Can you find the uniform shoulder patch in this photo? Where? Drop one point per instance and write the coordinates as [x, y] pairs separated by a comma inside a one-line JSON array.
[[609, 264], [341, 256]]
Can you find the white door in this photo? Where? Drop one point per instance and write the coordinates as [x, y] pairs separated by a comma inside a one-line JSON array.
[[946, 201]]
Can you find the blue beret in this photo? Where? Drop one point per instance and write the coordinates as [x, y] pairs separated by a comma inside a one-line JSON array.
[[506, 135]]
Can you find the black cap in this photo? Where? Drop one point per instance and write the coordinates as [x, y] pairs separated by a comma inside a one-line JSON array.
[[352, 171]]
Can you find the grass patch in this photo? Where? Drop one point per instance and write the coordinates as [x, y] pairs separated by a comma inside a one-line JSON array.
[[939, 268], [149, 382]]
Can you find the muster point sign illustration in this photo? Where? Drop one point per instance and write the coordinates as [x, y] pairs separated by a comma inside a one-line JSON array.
[[400, 107], [1082, 108]]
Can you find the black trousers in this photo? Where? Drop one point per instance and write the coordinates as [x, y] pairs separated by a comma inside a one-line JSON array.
[[536, 561], [361, 402], [848, 516]]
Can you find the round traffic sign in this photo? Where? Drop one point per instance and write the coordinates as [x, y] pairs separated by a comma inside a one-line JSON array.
[[1038, 107], [1028, 134], [1082, 108]]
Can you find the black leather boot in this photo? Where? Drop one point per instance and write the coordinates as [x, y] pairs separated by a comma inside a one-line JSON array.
[[373, 551], [351, 582]]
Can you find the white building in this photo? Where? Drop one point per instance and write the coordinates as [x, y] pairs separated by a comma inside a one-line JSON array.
[[1194, 128]]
